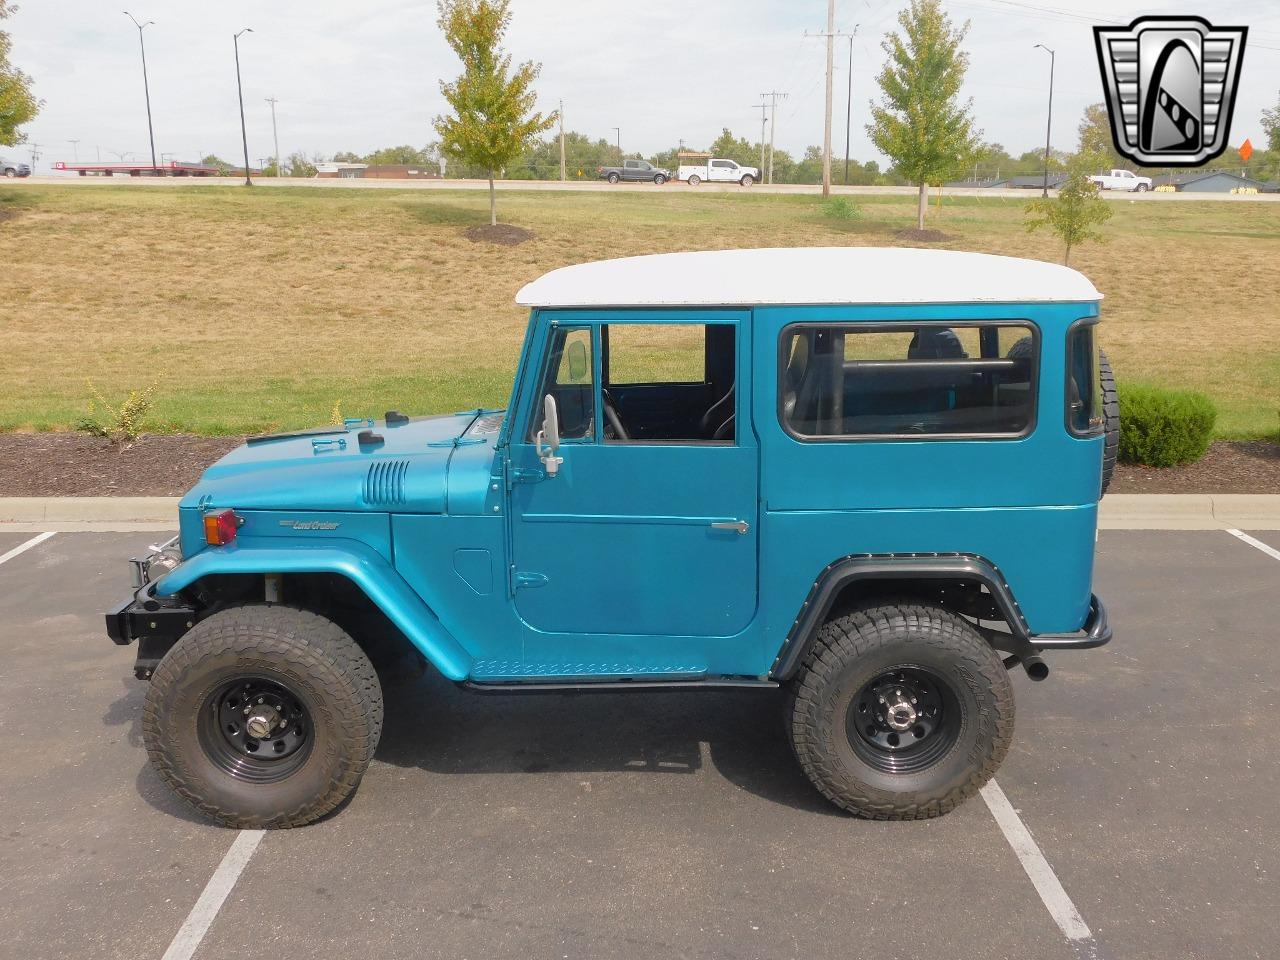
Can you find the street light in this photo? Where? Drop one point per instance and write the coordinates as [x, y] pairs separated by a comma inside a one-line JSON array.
[[244, 136], [146, 86], [1049, 124]]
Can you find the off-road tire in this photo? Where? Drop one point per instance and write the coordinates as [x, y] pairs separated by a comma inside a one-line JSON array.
[[1111, 419], [851, 651], [308, 654]]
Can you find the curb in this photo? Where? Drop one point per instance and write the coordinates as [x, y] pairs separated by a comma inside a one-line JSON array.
[[1119, 511]]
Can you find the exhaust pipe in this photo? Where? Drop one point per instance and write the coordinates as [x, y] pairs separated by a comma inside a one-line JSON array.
[[1036, 668]]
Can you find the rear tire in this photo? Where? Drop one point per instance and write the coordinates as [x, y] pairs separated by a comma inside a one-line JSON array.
[[695, 180], [1111, 419], [955, 712], [286, 665], [613, 178]]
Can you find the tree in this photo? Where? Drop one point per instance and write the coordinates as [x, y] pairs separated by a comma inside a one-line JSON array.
[[213, 160], [1075, 212], [299, 166], [494, 120], [1096, 139], [1271, 126], [17, 104], [919, 122]]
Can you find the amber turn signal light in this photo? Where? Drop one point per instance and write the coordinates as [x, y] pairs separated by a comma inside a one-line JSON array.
[[220, 528]]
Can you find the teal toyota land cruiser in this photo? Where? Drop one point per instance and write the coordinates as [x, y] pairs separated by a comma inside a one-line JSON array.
[[867, 477]]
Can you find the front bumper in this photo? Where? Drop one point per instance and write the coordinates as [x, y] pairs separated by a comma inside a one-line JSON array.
[[155, 624]]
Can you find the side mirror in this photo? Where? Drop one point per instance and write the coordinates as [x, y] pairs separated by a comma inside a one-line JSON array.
[[548, 440]]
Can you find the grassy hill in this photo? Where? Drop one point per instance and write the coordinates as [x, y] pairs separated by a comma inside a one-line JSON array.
[[257, 309]]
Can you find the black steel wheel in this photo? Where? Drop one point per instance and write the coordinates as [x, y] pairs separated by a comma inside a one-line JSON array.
[[900, 711], [263, 715], [904, 720], [255, 729]]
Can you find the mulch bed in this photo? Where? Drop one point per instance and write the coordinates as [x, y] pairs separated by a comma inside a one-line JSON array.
[[504, 233], [167, 465], [1230, 466], [924, 236], [78, 465]]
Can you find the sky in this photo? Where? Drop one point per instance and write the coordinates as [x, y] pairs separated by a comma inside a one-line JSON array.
[[362, 74]]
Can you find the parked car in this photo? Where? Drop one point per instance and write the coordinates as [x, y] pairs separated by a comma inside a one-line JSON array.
[[638, 171], [12, 168], [717, 170], [869, 477], [1122, 180]]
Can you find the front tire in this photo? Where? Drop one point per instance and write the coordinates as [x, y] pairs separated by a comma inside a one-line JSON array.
[[747, 180], [263, 716], [900, 712], [1140, 188], [11, 173], [659, 180]]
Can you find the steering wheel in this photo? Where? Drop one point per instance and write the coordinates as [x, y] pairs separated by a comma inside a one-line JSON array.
[[613, 421]]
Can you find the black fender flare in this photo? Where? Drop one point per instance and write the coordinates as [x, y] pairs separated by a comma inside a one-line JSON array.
[[929, 566]]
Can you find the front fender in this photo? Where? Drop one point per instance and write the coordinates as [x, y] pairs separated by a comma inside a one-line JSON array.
[[347, 558]]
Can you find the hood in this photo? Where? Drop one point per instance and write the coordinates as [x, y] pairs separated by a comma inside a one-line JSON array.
[[329, 469]]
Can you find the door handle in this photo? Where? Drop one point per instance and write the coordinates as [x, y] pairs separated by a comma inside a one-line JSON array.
[[740, 525]]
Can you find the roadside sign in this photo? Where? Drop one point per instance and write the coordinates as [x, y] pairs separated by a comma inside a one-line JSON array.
[[1246, 151]]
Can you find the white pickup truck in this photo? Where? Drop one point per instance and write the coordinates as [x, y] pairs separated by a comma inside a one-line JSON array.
[[1122, 180], [717, 170]]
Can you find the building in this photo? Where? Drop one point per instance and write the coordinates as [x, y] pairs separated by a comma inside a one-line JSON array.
[[1210, 181], [365, 171]]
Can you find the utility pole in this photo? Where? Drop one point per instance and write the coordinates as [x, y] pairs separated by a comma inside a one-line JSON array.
[[146, 86], [35, 155], [848, 111], [75, 151], [1048, 129], [562, 170], [617, 131], [764, 119], [275, 134], [773, 96], [244, 136], [830, 36]]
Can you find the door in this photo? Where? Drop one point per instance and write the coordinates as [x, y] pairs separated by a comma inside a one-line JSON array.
[[724, 170], [648, 527]]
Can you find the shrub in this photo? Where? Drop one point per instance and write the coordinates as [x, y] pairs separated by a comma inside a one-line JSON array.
[[118, 423], [841, 208], [1164, 428]]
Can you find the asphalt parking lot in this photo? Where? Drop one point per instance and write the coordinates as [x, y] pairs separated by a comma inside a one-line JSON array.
[[666, 825]]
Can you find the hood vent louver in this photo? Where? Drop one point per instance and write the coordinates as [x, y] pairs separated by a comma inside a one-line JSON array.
[[384, 483]]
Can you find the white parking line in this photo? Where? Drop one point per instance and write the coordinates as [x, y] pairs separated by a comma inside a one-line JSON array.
[[1042, 877], [215, 892], [23, 547], [1238, 534]]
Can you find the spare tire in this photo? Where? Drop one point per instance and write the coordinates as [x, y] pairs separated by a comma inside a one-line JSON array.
[[1111, 419]]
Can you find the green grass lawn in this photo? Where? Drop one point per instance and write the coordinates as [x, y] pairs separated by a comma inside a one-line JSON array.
[[258, 309]]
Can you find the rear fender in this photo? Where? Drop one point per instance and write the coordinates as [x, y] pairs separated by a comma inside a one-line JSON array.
[[360, 564]]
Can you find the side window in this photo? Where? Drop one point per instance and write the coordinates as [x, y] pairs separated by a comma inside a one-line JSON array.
[[669, 382], [1085, 416], [908, 381], [569, 377]]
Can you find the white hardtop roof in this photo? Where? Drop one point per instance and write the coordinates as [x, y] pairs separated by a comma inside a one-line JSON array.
[[807, 275]]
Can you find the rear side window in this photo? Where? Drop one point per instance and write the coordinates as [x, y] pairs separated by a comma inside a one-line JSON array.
[[941, 380], [1085, 416]]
